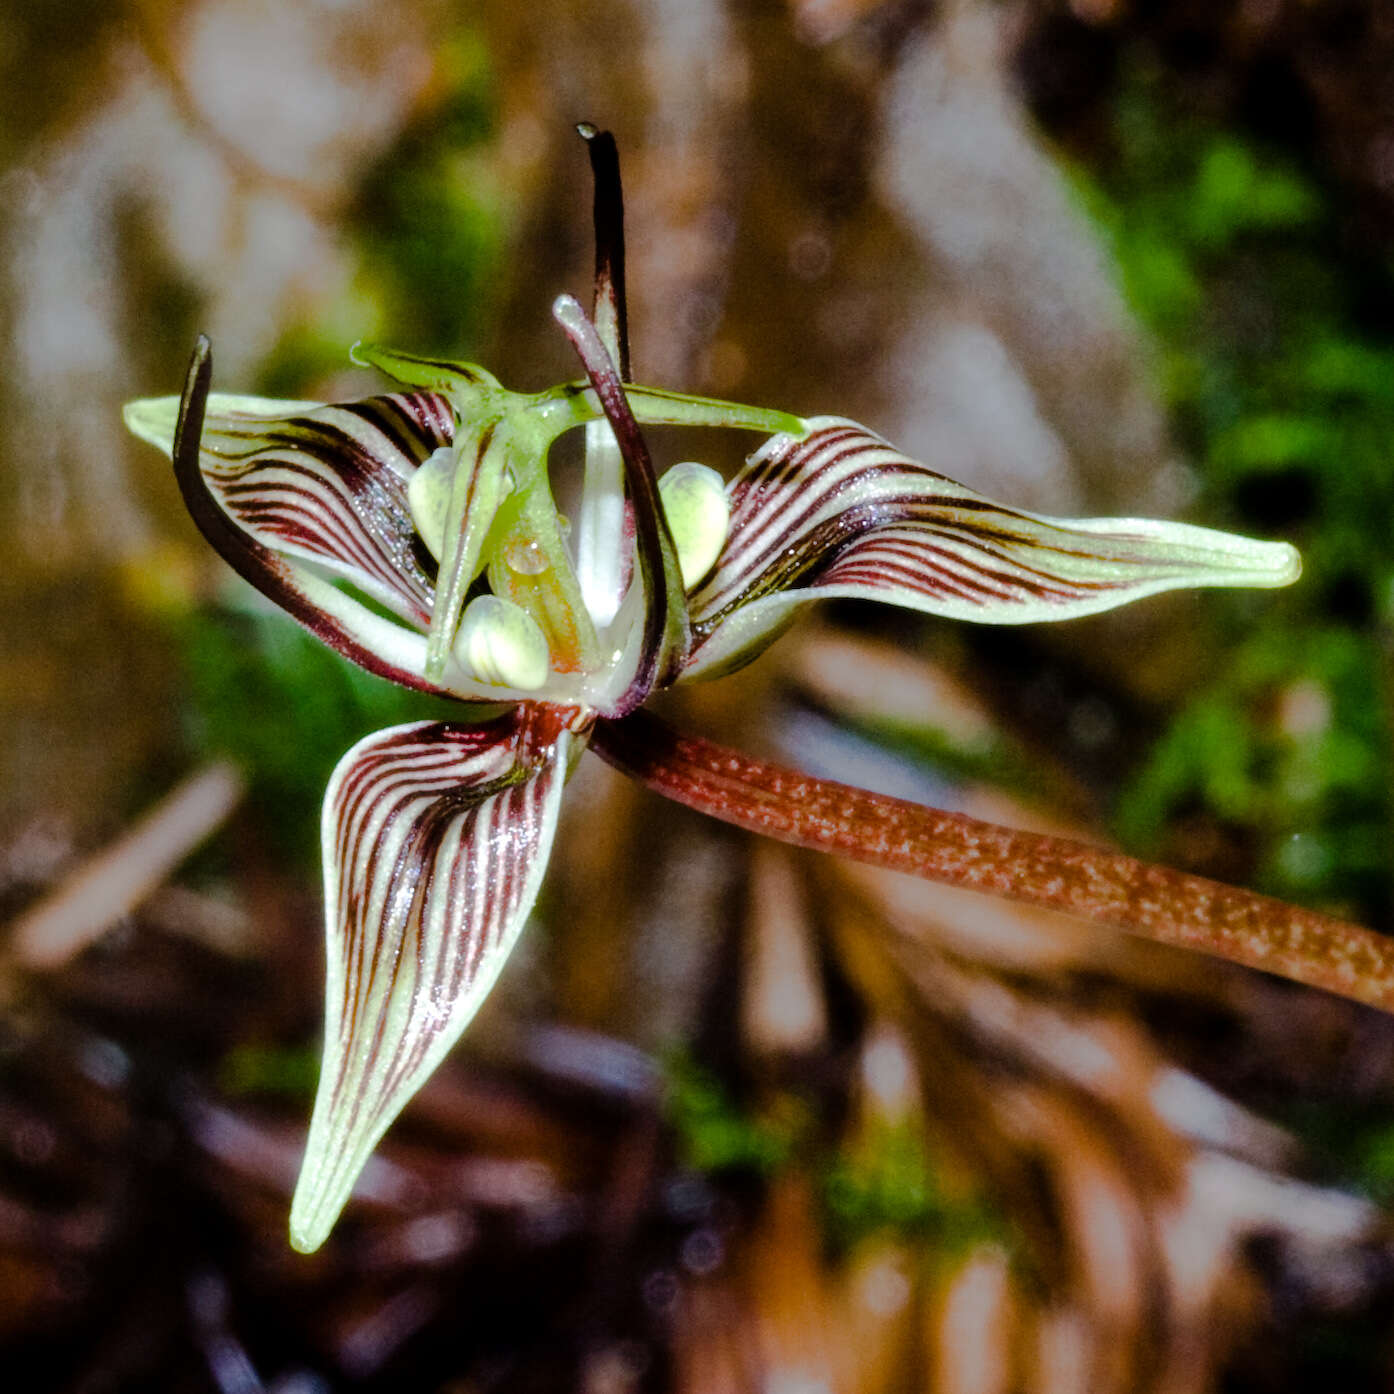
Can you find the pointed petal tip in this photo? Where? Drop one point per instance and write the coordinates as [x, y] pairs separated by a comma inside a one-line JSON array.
[[334, 1160], [1261, 565], [152, 419], [368, 355], [567, 311], [1287, 563], [309, 1227], [1212, 558], [365, 354], [305, 1243]]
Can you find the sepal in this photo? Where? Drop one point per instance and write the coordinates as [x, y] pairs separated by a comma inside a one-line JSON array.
[[326, 484], [838, 512], [433, 374], [436, 837]]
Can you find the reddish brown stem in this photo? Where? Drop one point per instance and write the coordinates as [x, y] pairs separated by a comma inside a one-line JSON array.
[[1053, 872]]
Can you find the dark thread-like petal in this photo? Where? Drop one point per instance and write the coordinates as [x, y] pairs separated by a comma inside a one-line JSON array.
[[665, 635]]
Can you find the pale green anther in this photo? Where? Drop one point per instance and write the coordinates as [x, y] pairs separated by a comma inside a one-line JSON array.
[[500, 643], [699, 513], [428, 497]]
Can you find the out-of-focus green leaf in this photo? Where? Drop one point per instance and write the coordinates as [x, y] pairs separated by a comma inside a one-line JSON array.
[[1284, 399], [286, 708]]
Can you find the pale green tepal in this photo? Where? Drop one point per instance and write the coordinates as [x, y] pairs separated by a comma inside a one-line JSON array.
[[416, 533]]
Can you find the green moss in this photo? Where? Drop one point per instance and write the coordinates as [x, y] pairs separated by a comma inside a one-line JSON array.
[[714, 1135], [893, 1185], [1275, 358], [887, 1183], [251, 1068], [285, 708]]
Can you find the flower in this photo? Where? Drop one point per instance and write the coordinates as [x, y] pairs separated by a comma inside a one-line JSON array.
[[415, 532]]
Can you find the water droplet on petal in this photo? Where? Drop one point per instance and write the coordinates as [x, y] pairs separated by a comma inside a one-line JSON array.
[[525, 557]]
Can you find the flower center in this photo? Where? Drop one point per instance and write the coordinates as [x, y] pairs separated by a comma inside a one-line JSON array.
[[535, 621]]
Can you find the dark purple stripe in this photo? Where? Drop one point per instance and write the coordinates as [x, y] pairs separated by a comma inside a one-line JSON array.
[[255, 563]]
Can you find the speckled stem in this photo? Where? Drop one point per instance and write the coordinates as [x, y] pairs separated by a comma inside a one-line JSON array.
[[1055, 873]]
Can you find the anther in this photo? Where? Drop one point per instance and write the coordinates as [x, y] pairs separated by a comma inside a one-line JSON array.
[[501, 644], [428, 497], [699, 513]]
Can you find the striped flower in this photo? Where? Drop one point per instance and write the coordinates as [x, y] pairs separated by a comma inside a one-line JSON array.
[[416, 534]]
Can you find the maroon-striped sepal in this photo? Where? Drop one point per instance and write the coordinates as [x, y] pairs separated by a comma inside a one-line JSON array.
[[838, 512], [436, 837], [325, 484]]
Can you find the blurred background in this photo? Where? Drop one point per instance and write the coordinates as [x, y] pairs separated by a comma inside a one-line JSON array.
[[735, 1119]]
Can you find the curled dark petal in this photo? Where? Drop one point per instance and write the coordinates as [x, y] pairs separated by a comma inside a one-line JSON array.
[[255, 563], [666, 635]]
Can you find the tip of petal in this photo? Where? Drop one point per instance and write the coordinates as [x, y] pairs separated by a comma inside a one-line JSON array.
[[152, 419], [320, 1196], [434, 374], [308, 1232], [1243, 561], [1287, 563], [335, 1155]]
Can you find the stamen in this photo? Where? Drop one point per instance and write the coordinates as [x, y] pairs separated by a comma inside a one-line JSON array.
[[428, 497], [699, 513], [500, 643]]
